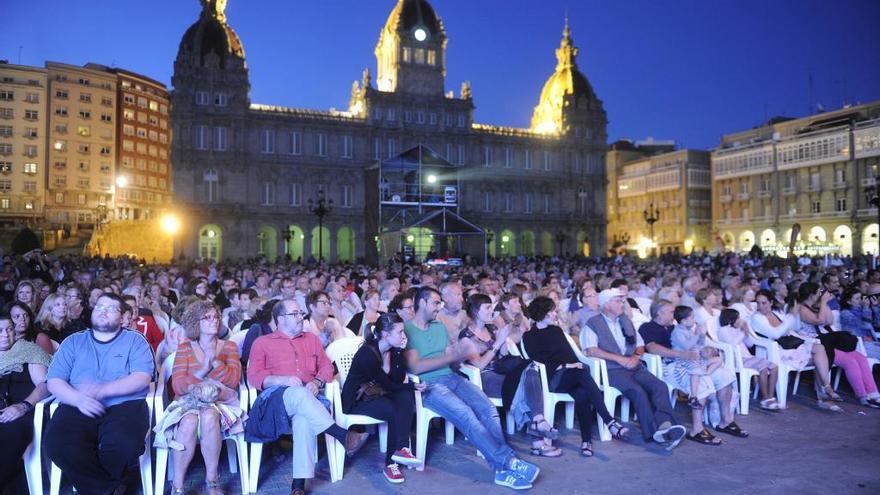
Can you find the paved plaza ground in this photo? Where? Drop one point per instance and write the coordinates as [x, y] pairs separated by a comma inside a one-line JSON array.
[[801, 450]]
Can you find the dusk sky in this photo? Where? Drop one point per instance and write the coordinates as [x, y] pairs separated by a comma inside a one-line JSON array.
[[688, 70]]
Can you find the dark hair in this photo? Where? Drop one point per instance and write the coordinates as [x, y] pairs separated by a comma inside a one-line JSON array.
[[474, 302], [112, 297], [278, 309], [396, 304], [264, 314], [655, 308], [728, 317], [539, 308], [806, 290], [766, 293], [682, 312], [384, 324], [848, 295], [618, 282], [251, 293], [312, 299], [422, 294]]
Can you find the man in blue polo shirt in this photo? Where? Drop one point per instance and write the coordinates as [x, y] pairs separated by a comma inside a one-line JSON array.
[[101, 376]]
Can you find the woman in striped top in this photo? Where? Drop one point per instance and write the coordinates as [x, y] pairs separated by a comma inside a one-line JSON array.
[[205, 368]]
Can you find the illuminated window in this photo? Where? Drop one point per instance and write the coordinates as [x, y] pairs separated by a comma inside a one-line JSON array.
[[432, 57], [420, 56], [407, 54]]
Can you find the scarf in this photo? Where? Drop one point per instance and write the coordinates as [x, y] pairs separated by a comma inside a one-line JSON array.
[[22, 352]]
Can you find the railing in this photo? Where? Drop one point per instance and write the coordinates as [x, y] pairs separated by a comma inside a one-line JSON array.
[[788, 191], [840, 185], [813, 188], [743, 196], [726, 198], [765, 194]]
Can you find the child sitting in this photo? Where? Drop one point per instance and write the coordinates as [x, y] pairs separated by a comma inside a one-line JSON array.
[[688, 336]]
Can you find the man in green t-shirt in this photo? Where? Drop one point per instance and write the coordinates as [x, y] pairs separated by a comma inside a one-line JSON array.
[[429, 355]]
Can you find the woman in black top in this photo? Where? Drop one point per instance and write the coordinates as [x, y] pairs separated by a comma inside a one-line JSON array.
[[23, 367], [547, 343], [376, 387]]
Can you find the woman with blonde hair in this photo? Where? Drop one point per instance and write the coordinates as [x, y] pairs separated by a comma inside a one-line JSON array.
[[204, 383], [26, 293], [52, 325]]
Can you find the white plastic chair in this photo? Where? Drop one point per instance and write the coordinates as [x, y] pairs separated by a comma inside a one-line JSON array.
[[33, 466], [424, 415], [256, 454], [342, 352], [551, 399], [770, 350], [235, 447], [144, 461], [733, 359]]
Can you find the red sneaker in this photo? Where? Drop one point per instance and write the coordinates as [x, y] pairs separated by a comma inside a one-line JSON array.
[[405, 456], [393, 474]]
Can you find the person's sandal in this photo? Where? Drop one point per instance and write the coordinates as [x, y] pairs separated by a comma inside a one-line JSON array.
[[533, 430], [694, 403], [587, 449], [704, 437], [546, 451], [618, 431], [213, 487], [733, 429], [830, 394], [178, 491]]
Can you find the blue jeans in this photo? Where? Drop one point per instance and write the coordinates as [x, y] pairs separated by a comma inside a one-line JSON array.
[[465, 405]]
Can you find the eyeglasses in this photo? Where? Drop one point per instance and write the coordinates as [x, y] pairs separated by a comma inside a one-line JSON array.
[[210, 317], [406, 307], [106, 308], [295, 314], [322, 301]]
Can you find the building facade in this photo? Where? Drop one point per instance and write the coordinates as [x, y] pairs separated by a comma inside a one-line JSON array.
[[813, 171], [22, 134], [672, 186], [244, 172]]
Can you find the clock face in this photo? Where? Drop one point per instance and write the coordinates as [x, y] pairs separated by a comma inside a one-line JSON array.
[[420, 34]]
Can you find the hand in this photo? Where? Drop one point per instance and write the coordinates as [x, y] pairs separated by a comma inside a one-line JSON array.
[[692, 355], [502, 333], [313, 388], [89, 406], [12, 413], [74, 310], [421, 387], [826, 296], [630, 362], [293, 381]]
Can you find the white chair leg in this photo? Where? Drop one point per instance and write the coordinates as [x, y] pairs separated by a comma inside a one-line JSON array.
[[335, 458], [254, 469], [837, 379], [450, 432], [240, 447], [232, 455], [146, 468], [162, 461], [745, 382], [421, 440], [782, 387], [32, 468], [383, 437], [569, 415], [797, 382], [511, 425], [624, 409]]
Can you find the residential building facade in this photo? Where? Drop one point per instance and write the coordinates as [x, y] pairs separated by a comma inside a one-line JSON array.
[[244, 172], [652, 179], [813, 171], [22, 134]]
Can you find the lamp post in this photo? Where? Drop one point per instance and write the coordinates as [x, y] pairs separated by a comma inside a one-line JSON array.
[[652, 214], [560, 239], [320, 207], [286, 237]]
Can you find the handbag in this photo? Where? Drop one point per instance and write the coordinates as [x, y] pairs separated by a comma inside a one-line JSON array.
[[789, 342], [507, 364], [841, 341], [368, 391]]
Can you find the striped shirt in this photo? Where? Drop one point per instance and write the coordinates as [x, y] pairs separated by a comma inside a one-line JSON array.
[[186, 363]]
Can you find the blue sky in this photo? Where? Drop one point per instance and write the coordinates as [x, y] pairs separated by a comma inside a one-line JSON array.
[[686, 70]]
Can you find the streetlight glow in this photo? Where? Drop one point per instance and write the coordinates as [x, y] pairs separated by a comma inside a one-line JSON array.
[[170, 224], [121, 181], [432, 179]]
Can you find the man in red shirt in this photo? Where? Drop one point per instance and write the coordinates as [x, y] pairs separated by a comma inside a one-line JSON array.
[[295, 360], [142, 320]]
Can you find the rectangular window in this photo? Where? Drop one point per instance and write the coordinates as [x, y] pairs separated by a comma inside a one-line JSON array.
[[105, 151], [377, 148], [420, 117], [128, 130], [30, 150], [547, 160], [294, 194], [83, 130], [346, 146], [840, 175], [267, 141], [433, 117], [487, 156], [432, 57], [449, 151], [8, 113], [420, 56], [841, 204], [815, 180], [461, 120], [32, 97], [5, 131], [5, 167], [61, 94], [391, 115], [129, 99], [85, 97], [220, 99], [6, 95], [106, 101], [407, 54], [81, 198], [59, 198], [200, 137], [296, 143], [219, 139], [5, 149], [528, 159], [487, 201], [546, 203], [61, 128], [268, 194], [460, 154], [127, 114], [31, 115], [5, 185], [29, 186], [508, 158], [392, 147], [321, 144], [407, 116], [106, 117], [508, 203], [528, 203], [202, 98], [346, 196], [816, 207], [30, 168]]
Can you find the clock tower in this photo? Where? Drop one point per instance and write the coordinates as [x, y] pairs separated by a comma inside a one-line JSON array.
[[411, 53]]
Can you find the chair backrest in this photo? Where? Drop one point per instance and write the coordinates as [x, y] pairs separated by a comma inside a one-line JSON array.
[[167, 367], [342, 353], [512, 348]]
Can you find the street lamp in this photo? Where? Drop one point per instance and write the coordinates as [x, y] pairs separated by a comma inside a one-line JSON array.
[[872, 195], [320, 207], [560, 239], [652, 214]]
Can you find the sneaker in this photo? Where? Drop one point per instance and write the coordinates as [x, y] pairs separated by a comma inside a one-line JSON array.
[[671, 436], [393, 474], [525, 470], [511, 480], [405, 456]]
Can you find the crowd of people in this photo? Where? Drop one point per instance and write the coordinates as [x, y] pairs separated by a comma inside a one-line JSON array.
[[94, 333]]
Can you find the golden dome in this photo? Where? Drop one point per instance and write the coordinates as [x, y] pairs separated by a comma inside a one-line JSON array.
[[566, 85]]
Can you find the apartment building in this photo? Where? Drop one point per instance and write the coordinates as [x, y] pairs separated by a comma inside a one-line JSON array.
[[818, 172]]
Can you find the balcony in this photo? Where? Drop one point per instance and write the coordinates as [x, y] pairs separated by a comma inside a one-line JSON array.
[[765, 194], [864, 212], [726, 198], [813, 188], [743, 196], [788, 191], [840, 185], [870, 181]]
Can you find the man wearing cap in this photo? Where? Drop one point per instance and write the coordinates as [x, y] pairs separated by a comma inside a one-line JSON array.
[[611, 336]]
